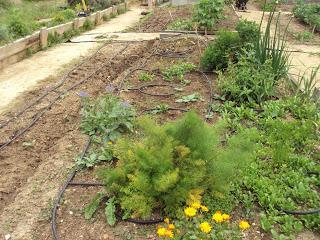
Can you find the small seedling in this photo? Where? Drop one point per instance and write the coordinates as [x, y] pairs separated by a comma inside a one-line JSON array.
[[146, 77], [190, 98], [178, 71], [162, 108], [29, 144]]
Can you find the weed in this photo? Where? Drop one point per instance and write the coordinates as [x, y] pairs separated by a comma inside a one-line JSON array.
[[178, 70], [195, 97], [248, 80], [306, 86], [17, 28], [53, 39], [304, 36], [4, 35], [162, 108], [146, 77], [87, 25], [221, 51], [63, 16], [207, 13], [121, 10], [182, 24]]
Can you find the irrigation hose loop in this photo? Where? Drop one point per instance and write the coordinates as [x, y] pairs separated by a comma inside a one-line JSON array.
[[298, 212], [61, 192]]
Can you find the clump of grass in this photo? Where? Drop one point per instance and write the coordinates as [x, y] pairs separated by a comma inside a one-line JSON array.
[[87, 25], [17, 28], [64, 16], [304, 36], [182, 24], [146, 77]]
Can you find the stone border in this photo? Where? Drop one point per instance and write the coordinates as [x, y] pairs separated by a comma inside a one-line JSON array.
[[19, 49]]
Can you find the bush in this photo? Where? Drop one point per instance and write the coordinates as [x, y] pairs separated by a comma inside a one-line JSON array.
[[5, 4], [248, 80], [208, 12], [157, 171], [17, 28], [309, 13], [221, 51], [248, 31], [108, 116]]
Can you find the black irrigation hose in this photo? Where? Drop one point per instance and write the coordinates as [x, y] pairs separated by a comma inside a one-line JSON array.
[[307, 212], [53, 89], [210, 89], [168, 109], [40, 114], [60, 194], [140, 89], [86, 184]]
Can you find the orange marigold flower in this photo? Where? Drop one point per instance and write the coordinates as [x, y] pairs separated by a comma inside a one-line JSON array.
[[169, 234], [171, 227], [244, 225]]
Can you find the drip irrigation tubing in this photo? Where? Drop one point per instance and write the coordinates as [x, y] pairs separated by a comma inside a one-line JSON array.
[[40, 114], [167, 109], [53, 89], [140, 89], [306, 212]]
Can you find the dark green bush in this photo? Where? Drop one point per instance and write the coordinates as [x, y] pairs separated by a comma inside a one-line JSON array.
[[248, 31], [17, 28], [221, 51], [308, 13], [248, 80], [157, 171]]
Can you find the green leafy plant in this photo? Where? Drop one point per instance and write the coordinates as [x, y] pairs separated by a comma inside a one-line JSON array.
[[248, 80], [90, 209], [207, 13], [110, 211], [220, 52], [179, 71], [63, 16], [156, 170], [162, 108], [304, 36], [107, 116], [190, 98], [4, 35], [308, 13], [182, 24], [146, 77]]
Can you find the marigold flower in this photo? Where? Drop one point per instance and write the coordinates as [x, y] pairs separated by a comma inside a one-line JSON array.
[[169, 234], [204, 208], [190, 211], [162, 232], [196, 205], [166, 220], [217, 217], [205, 227], [244, 225], [226, 217], [110, 142], [171, 227]]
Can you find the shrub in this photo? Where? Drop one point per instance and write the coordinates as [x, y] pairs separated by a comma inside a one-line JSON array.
[[182, 24], [63, 16], [157, 171], [308, 13], [208, 12], [248, 80], [108, 116], [221, 51], [17, 28], [248, 31]]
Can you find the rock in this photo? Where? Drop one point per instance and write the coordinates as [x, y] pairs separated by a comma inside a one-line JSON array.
[[7, 237]]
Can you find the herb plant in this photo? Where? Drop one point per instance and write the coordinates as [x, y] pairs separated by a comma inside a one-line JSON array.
[[178, 71], [190, 98]]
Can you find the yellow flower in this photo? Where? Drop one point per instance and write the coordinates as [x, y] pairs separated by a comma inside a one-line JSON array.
[[205, 227], [204, 208], [217, 217], [110, 143], [226, 217], [171, 227], [196, 205], [166, 220], [169, 234], [162, 232], [244, 225], [190, 212]]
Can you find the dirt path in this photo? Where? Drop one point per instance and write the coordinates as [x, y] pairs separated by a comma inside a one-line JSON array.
[[304, 56], [24, 75]]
